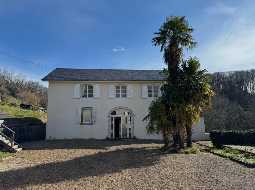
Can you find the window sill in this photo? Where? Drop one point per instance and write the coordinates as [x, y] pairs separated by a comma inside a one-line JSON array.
[[87, 124]]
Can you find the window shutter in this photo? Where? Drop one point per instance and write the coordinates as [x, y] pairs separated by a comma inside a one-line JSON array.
[[94, 116], [77, 93], [111, 91], [144, 91], [159, 91], [96, 90], [78, 115], [129, 91]]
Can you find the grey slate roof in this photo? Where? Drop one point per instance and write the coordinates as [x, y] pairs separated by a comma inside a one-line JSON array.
[[64, 74]]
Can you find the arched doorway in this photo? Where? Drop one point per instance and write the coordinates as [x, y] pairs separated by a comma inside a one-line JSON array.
[[121, 123]]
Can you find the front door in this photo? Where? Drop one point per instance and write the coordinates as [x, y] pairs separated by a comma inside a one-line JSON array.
[[117, 127]]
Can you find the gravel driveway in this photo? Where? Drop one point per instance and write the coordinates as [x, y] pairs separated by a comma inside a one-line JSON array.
[[91, 164]]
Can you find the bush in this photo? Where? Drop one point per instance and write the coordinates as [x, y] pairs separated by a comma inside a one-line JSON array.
[[192, 150], [220, 138]]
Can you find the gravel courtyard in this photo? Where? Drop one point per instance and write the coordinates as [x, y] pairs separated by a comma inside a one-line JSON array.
[[91, 164]]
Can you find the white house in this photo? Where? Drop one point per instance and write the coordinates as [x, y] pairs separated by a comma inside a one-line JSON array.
[[102, 103]]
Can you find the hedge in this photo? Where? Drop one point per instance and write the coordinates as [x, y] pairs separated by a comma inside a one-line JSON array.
[[26, 129], [220, 138]]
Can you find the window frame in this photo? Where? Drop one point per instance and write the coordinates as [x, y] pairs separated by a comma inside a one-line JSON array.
[[121, 91], [88, 90], [154, 90], [151, 91], [82, 122]]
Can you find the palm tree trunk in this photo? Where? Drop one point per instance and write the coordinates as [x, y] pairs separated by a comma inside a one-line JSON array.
[[181, 138], [189, 136], [180, 128], [165, 139], [175, 139]]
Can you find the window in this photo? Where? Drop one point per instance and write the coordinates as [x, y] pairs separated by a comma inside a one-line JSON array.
[[149, 91], [117, 91], [121, 91], [86, 115], [87, 91], [153, 90]]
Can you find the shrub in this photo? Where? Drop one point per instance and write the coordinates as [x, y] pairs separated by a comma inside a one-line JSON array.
[[220, 138], [192, 150]]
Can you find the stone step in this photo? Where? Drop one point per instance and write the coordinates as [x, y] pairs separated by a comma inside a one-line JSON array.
[[6, 141], [18, 149], [10, 146], [2, 137]]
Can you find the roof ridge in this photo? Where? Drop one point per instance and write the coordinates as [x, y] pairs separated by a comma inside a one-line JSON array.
[[66, 74], [109, 69]]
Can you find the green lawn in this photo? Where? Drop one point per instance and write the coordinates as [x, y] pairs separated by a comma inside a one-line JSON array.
[[235, 154], [17, 112], [4, 154]]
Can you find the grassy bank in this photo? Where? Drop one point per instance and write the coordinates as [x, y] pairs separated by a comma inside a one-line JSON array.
[[17, 112]]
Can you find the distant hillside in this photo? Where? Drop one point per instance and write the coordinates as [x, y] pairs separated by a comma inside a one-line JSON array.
[[233, 107], [15, 90]]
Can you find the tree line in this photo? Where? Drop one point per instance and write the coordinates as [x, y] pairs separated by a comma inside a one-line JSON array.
[[14, 87], [233, 106]]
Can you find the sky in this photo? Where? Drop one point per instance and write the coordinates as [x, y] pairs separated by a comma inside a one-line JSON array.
[[37, 36]]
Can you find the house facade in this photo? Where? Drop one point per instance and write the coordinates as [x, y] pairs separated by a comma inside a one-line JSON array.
[[103, 103]]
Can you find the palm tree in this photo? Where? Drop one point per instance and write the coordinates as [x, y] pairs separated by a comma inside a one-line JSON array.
[[197, 93], [186, 91], [173, 36]]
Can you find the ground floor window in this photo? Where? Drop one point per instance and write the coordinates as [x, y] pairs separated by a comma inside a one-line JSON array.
[[87, 115]]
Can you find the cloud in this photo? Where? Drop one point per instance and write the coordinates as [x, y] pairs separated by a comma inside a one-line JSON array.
[[220, 9], [119, 49], [233, 49]]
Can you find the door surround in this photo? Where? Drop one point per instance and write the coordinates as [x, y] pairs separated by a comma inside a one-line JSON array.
[[126, 123], [113, 120]]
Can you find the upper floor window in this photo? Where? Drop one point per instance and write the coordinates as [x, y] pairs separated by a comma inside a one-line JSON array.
[[153, 90], [87, 91], [121, 91]]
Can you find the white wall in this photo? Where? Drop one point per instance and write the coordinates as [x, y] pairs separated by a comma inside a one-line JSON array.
[[64, 111], [198, 131]]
